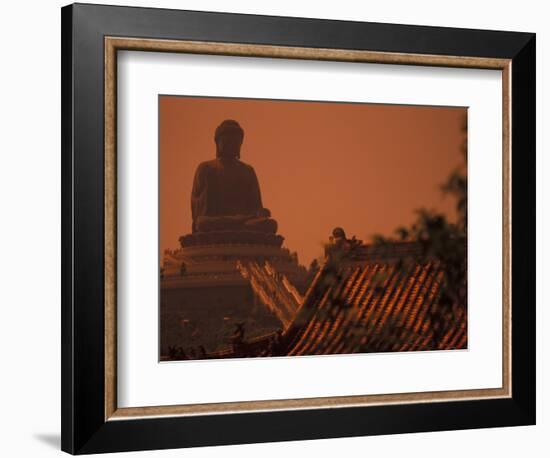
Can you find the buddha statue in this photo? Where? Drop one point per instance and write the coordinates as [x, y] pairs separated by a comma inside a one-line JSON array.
[[226, 193]]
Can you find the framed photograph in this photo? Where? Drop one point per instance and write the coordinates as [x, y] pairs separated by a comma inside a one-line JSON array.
[[285, 228]]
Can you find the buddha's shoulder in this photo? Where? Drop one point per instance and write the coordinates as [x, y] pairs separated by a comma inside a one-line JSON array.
[[214, 164], [246, 166], [207, 165]]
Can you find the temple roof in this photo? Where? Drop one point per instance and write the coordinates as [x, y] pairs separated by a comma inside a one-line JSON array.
[[375, 307], [372, 299], [377, 298]]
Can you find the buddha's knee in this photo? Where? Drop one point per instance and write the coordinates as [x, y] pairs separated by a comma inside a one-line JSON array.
[[267, 225]]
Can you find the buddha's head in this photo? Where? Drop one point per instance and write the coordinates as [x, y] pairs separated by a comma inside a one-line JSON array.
[[229, 138]]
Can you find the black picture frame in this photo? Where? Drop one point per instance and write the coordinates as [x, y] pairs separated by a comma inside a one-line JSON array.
[[84, 428]]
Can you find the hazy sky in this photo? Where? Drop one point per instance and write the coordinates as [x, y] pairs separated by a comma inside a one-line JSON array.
[[320, 165]]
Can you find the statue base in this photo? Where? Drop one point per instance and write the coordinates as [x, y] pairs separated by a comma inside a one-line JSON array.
[[231, 238], [204, 296]]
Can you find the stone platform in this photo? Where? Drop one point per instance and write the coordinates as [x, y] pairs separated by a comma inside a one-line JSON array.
[[204, 296]]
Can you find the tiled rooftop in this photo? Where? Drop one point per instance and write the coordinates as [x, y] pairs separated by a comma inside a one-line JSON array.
[[375, 307], [372, 299]]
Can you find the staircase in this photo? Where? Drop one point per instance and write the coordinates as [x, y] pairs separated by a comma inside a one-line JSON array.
[[273, 289]]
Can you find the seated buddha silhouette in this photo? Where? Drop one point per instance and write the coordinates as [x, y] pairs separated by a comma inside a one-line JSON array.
[[226, 193]]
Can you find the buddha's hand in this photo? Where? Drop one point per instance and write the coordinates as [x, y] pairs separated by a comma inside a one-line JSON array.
[[264, 212]]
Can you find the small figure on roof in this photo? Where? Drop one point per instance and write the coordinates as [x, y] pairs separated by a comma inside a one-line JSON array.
[[339, 245]]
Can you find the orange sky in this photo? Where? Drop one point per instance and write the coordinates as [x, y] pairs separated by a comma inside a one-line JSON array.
[[320, 165]]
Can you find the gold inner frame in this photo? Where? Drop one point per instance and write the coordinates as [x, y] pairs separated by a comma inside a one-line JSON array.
[[114, 44]]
